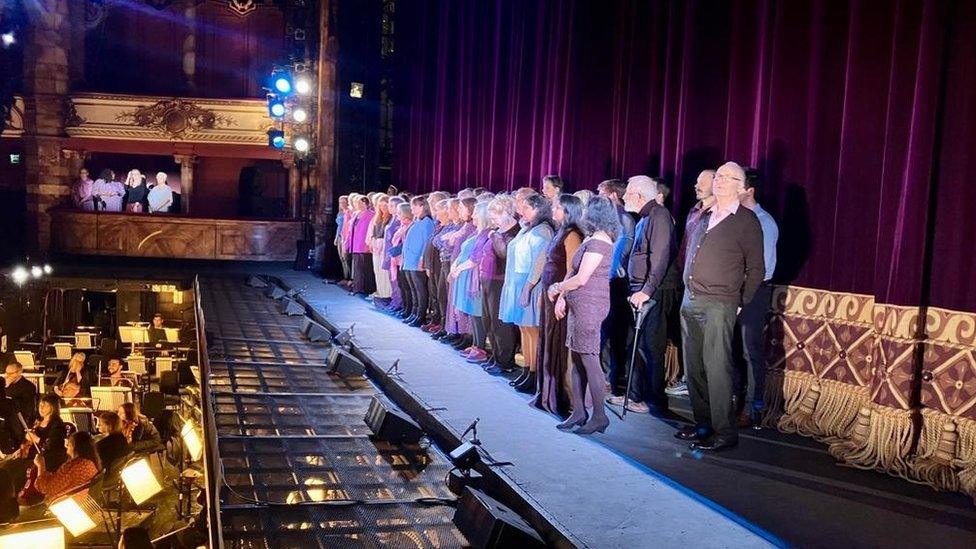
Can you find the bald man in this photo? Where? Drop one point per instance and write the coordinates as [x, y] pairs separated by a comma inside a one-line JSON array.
[[723, 269]]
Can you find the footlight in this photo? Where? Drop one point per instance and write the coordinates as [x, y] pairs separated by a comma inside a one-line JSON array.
[[140, 481], [75, 512], [47, 534]]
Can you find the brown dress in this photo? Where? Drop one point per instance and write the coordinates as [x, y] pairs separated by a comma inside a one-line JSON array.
[[588, 304], [553, 356]]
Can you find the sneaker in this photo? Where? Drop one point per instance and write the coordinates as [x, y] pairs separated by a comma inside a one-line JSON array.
[[638, 407], [678, 389], [616, 400], [477, 356]]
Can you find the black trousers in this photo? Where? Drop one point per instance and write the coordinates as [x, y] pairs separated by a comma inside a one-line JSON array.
[[406, 295], [706, 330], [751, 328], [434, 314], [418, 287], [650, 374], [616, 334], [442, 290], [501, 335]]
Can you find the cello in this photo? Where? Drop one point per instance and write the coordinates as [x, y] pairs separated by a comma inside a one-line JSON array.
[[29, 494]]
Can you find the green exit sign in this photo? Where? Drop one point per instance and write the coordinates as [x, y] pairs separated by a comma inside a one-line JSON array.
[[15, 159]]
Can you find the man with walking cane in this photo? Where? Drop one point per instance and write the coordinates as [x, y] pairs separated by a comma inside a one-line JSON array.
[[653, 252]]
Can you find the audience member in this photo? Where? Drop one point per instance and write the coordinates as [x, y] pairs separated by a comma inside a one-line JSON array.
[[160, 198], [136, 198], [109, 194], [82, 193]]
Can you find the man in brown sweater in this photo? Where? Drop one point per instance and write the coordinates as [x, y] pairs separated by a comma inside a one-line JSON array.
[[723, 269]]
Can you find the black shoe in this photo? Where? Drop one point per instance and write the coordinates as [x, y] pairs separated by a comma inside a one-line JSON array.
[[463, 343], [437, 336], [594, 425], [417, 322], [408, 319], [571, 421], [521, 377], [692, 433], [527, 385], [714, 444], [450, 338]]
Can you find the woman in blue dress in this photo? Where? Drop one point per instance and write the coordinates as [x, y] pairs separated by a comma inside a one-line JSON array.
[[467, 288], [522, 294]]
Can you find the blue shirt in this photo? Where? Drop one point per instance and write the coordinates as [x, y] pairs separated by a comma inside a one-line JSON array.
[[770, 235], [339, 219], [622, 246], [415, 241]]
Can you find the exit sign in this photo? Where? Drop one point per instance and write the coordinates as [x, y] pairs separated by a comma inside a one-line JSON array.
[[15, 159]]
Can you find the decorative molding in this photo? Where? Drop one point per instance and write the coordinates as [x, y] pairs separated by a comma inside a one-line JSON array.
[[174, 117], [242, 7], [71, 117], [167, 119]]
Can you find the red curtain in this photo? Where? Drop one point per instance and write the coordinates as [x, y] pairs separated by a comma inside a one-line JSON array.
[[857, 113]]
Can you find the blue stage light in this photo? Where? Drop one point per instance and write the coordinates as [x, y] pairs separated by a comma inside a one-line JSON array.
[[276, 139], [276, 107], [281, 81]]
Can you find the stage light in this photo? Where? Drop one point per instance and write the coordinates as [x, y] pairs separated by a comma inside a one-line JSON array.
[[20, 275], [465, 456], [276, 107], [37, 271], [192, 440], [281, 81], [140, 481], [299, 115], [32, 534], [8, 39], [75, 513], [301, 144], [276, 139], [48, 269], [303, 85]]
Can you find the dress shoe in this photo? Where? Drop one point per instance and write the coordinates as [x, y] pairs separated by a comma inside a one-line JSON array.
[[409, 319], [462, 342], [616, 400], [438, 335], [416, 322], [572, 421], [426, 327], [638, 407], [692, 432], [450, 338], [497, 369], [594, 425], [745, 420], [714, 444], [527, 385]]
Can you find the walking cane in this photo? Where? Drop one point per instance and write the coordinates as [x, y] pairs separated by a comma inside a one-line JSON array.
[[639, 316]]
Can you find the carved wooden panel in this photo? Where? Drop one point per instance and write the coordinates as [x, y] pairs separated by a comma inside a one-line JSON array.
[[168, 239], [74, 233], [256, 240], [111, 234]]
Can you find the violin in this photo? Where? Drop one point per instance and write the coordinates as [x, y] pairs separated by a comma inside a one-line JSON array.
[[129, 429], [29, 494]]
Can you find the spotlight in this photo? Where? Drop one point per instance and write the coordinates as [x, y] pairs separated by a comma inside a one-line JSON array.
[[389, 423], [281, 81], [301, 144], [303, 85], [276, 107], [465, 456], [20, 275], [276, 139], [140, 481], [8, 39], [48, 269], [299, 115], [192, 440], [37, 272]]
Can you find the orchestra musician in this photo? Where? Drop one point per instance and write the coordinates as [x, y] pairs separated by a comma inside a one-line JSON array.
[[111, 444], [80, 468], [46, 435], [21, 391], [11, 431], [115, 376], [139, 431], [157, 334], [74, 382]]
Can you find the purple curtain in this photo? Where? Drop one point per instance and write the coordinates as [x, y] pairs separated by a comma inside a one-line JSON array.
[[860, 115]]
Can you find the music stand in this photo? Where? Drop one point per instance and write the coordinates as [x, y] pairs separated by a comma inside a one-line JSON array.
[[164, 364], [136, 364], [172, 335], [133, 335], [84, 341], [26, 359], [62, 351], [109, 399], [37, 378], [81, 416]]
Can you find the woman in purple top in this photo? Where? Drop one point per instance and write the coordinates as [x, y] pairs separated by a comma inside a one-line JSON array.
[[458, 323], [491, 260], [391, 229], [363, 281], [467, 283], [108, 192], [448, 216]]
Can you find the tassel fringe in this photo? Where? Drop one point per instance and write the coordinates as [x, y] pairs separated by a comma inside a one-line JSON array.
[[820, 408], [937, 450], [881, 441], [966, 460]]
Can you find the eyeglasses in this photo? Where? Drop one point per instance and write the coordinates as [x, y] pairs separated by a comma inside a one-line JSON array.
[[729, 177]]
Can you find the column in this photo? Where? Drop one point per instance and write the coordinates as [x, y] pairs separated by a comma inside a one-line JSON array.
[[186, 162], [294, 186], [46, 77], [190, 47], [322, 214]]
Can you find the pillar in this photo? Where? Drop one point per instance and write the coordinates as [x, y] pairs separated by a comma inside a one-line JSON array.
[[46, 82], [190, 47], [186, 162], [294, 187], [322, 214]]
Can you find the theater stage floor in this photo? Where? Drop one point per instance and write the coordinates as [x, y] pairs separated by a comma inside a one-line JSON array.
[[636, 486]]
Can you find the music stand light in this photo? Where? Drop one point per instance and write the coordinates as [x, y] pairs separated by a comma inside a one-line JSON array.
[[191, 438], [140, 481], [133, 335], [26, 359], [75, 512], [47, 534]]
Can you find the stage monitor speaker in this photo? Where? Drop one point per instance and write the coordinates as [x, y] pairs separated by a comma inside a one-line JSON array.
[[390, 423], [291, 307], [275, 292], [488, 524], [256, 282], [313, 331], [342, 363]]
